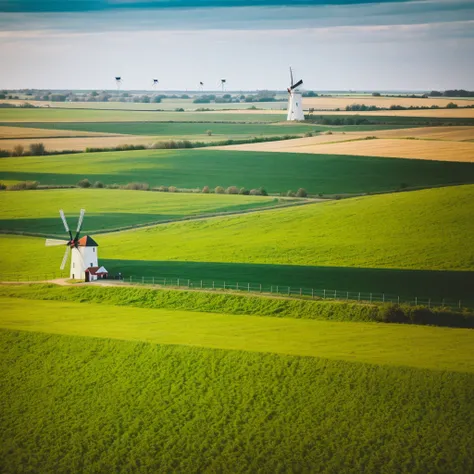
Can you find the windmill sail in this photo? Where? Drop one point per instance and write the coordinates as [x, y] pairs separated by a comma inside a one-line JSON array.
[[55, 242], [66, 256]]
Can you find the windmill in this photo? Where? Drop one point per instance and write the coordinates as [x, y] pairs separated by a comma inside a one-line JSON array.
[[155, 83], [223, 83], [295, 100], [84, 250], [118, 82], [201, 85]]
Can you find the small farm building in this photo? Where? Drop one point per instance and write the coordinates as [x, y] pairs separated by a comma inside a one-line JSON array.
[[96, 273]]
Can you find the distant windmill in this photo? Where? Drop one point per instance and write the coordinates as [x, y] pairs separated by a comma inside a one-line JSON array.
[[155, 83], [295, 100], [84, 260], [201, 85], [118, 82], [223, 83]]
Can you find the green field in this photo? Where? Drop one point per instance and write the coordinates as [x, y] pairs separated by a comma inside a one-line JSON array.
[[276, 172], [37, 211], [424, 230], [87, 404]]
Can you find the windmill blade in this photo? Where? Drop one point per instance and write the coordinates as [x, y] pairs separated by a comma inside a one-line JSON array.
[[297, 84], [66, 256], [63, 218], [291, 76], [55, 242], [79, 223]]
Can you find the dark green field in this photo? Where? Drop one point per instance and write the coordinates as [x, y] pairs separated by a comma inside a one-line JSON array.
[[277, 172], [78, 404]]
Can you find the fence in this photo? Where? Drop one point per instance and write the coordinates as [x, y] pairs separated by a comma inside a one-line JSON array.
[[277, 290]]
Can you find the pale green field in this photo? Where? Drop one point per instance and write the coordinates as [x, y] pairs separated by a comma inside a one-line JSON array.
[[398, 345], [426, 230], [37, 211]]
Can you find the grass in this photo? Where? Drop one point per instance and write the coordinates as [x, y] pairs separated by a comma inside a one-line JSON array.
[[238, 304], [277, 172], [37, 211], [400, 231], [386, 344], [95, 405]]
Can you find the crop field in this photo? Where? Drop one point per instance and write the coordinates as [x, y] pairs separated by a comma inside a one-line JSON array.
[[358, 144], [276, 172], [37, 211], [8, 133], [197, 409], [97, 115]]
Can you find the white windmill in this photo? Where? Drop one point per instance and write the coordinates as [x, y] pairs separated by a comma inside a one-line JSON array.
[[84, 258], [222, 83], [295, 100], [155, 84], [118, 82]]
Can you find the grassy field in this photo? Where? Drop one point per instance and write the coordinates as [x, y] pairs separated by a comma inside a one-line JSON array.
[[276, 172], [388, 231], [91, 405], [37, 211], [384, 344]]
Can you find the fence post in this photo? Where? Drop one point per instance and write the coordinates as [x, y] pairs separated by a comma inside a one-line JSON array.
[[130, 278], [301, 291], [164, 283], [143, 279], [347, 296], [416, 300], [224, 285], [312, 293], [288, 291], [383, 297], [398, 299], [277, 289], [335, 294], [188, 283], [371, 297], [178, 282], [459, 304], [260, 287], [201, 283], [248, 287], [358, 298], [429, 303], [237, 287], [213, 285], [324, 294], [442, 302]]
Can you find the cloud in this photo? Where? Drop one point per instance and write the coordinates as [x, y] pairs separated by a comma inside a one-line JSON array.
[[98, 5]]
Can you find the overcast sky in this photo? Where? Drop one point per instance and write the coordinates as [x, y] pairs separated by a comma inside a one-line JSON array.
[[331, 44]]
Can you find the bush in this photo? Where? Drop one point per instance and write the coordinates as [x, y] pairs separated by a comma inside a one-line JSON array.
[[84, 183], [255, 192], [113, 186], [301, 193], [18, 150], [290, 193], [232, 190], [163, 189], [452, 105], [23, 186], [263, 192], [219, 190], [136, 186], [392, 313], [4, 153], [3, 187], [244, 191], [98, 184], [205, 190], [37, 149], [172, 189], [308, 134], [209, 132]]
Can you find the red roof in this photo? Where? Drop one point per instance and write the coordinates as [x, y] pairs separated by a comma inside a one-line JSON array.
[[87, 241], [93, 271]]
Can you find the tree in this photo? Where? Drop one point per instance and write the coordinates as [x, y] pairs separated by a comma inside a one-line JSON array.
[[209, 132], [37, 149], [156, 100], [290, 193], [98, 184], [219, 190], [172, 189], [263, 192], [301, 193], [451, 105], [205, 190], [376, 94], [232, 190], [18, 150], [244, 191], [84, 183]]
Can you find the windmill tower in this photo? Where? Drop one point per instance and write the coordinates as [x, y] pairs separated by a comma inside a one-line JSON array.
[[155, 84], [118, 82], [201, 85], [295, 100], [223, 82], [84, 258]]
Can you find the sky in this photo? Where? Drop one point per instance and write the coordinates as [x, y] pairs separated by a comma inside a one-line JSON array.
[[330, 44]]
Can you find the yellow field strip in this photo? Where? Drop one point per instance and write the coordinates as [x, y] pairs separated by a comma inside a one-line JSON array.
[[21, 132]]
